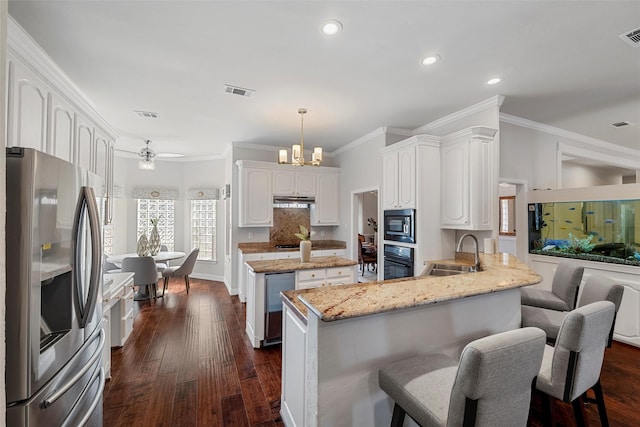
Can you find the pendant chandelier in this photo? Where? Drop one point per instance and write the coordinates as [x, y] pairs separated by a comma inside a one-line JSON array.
[[147, 155], [297, 150]]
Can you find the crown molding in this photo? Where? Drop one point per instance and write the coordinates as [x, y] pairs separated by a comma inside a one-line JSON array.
[[495, 101], [22, 47], [605, 145], [384, 130]]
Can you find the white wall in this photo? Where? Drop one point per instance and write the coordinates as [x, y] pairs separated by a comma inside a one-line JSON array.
[[175, 174], [576, 176], [360, 168], [3, 143], [529, 155]]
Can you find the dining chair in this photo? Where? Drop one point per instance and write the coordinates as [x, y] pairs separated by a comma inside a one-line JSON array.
[[595, 288], [183, 270], [490, 385], [145, 273], [366, 258], [573, 365], [564, 289]]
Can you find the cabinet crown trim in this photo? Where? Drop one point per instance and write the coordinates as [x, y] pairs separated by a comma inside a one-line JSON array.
[[424, 140], [477, 132], [277, 167], [23, 48]]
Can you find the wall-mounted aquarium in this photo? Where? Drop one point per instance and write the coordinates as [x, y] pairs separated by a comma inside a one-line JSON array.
[[604, 231]]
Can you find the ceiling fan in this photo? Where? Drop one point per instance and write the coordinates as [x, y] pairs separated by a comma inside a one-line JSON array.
[[147, 155]]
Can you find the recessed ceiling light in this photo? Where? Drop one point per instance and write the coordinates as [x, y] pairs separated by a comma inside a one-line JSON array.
[[430, 60], [494, 81], [331, 27]]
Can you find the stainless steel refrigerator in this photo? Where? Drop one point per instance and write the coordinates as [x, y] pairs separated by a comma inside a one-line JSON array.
[[54, 338]]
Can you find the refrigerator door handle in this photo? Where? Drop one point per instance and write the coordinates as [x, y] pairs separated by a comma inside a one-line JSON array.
[[51, 399], [96, 400], [88, 204]]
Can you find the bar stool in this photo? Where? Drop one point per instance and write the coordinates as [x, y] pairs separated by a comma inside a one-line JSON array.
[[489, 386]]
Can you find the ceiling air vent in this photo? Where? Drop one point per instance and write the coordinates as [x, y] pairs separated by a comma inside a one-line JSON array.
[[146, 114], [632, 37], [235, 90], [620, 124]]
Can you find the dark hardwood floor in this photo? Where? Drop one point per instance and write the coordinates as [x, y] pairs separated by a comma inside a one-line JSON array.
[[188, 363]]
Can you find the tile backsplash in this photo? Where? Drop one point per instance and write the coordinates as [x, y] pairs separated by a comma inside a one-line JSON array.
[[287, 222]]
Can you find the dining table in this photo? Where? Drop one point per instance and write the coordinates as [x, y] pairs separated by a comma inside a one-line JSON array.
[[162, 256]]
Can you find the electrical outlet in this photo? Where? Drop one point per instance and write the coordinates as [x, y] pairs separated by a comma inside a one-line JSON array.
[[322, 234], [250, 235]]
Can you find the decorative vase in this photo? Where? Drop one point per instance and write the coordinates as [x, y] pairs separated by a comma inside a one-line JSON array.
[[154, 241], [305, 250], [142, 248]]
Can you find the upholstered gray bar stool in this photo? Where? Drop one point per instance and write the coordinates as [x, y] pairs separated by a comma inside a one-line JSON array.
[[489, 386], [595, 288], [573, 366], [564, 289]]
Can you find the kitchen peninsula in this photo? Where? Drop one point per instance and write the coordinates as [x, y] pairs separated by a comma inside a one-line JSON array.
[[335, 339], [266, 278]]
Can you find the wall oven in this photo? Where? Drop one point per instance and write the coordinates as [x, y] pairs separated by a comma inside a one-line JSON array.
[[399, 225], [398, 262]]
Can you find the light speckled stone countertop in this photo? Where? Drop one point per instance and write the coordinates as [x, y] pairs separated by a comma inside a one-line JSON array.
[[280, 265], [499, 272], [266, 247]]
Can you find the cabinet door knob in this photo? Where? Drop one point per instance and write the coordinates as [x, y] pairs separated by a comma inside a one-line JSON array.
[[313, 275]]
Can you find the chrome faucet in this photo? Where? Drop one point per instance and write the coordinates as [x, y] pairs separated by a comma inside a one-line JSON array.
[[476, 267]]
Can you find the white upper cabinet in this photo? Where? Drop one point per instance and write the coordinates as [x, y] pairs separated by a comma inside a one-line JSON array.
[[26, 109], [326, 209], [84, 156], [294, 183], [46, 111], [399, 178], [61, 128], [256, 196], [101, 154], [259, 182], [468, 183]]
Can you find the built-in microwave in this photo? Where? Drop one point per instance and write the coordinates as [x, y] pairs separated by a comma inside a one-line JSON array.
[[400, 225]]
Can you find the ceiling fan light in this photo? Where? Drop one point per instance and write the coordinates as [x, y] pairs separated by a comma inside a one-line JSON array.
[[146, 165]]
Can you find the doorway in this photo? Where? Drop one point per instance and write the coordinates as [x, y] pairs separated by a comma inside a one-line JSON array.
[[512, 230], [364, 243]]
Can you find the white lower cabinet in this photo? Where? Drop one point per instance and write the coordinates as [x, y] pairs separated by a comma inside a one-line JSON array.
[[316, 278], [294, 359], [243, 270], [119, 300]]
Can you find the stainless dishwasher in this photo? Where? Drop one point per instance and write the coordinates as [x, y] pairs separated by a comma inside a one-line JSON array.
[[274, 284]]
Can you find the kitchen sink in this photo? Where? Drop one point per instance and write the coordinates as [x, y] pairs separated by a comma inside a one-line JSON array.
[[447, 269]]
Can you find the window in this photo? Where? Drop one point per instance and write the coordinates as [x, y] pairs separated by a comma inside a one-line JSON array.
[[203, 228], [107, 239], [164, 210]]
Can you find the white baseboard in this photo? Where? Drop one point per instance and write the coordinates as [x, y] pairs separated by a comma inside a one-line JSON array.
[[213, 277]]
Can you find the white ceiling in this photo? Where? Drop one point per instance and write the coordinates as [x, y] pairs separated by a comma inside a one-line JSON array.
[[562, 62]]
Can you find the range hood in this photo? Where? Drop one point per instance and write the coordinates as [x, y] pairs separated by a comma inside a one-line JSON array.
[[293, 201]]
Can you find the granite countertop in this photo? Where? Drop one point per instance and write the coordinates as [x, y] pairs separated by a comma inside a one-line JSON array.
[[266, 247], [499, 272], [280, 265]]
